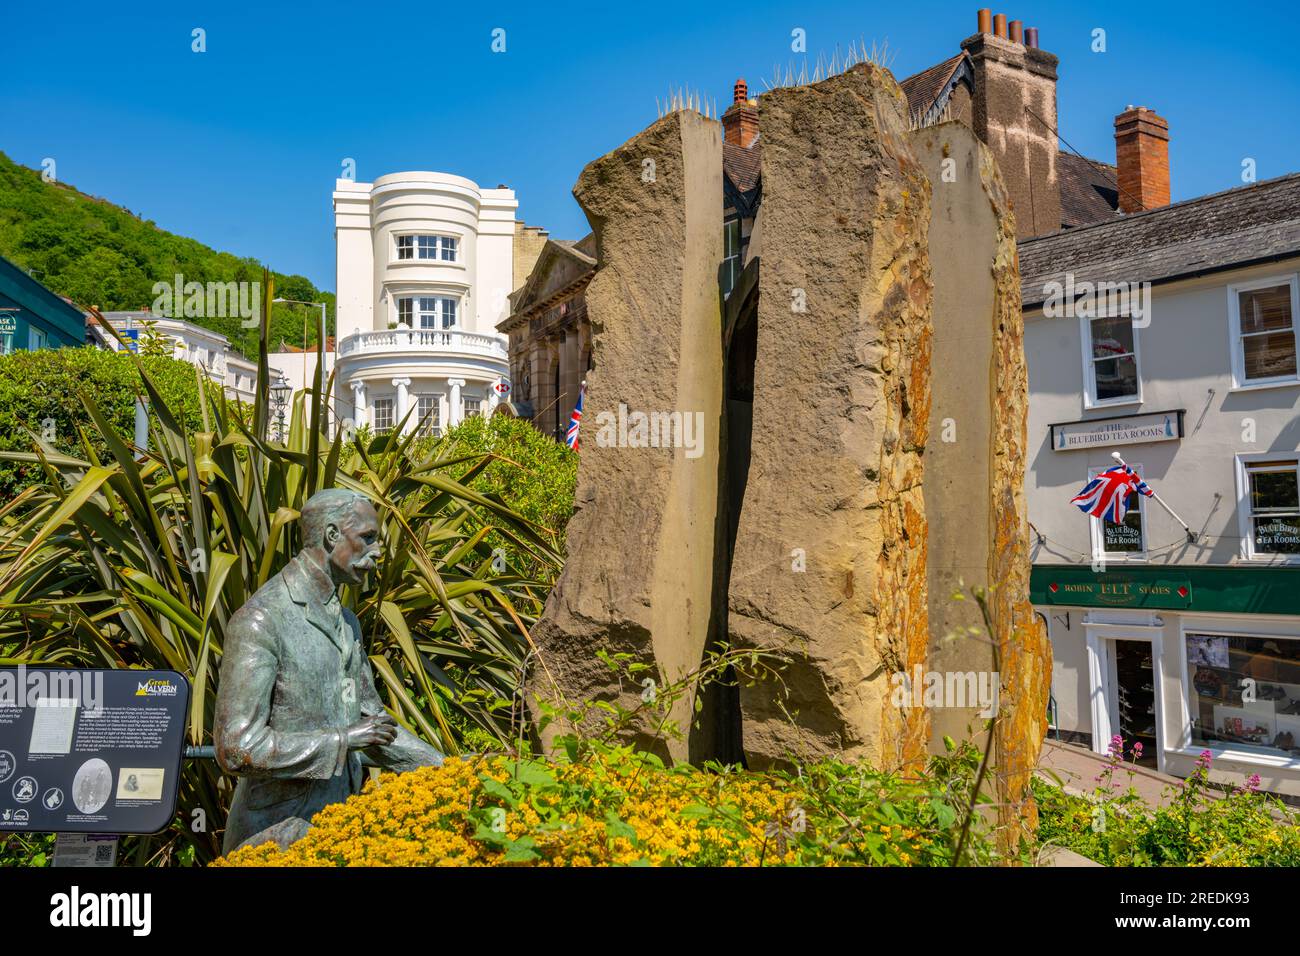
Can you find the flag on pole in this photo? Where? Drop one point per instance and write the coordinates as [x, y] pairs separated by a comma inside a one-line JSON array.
[[1106, 496], [571, 436]]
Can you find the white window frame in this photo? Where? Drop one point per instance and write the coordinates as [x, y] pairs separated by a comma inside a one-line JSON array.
[[1096, 533], [36, 338], [418, 312], [1090, 399], [1239, 380], [731, 263], [440, 244], [464, 406], [391, 404], [1218, 627], [433, 427], [1246, 528]]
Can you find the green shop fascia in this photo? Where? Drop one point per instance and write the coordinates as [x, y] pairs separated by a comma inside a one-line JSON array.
[[1191, 588]]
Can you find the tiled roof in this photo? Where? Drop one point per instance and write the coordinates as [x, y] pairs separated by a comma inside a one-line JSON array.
[[922, 89], [1223, 230], [741, 165], [1088, 190]]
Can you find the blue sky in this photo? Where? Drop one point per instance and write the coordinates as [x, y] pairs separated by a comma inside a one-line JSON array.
[[239, 146]]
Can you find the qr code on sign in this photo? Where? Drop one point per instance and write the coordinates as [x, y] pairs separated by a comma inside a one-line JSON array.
[[104, 854]]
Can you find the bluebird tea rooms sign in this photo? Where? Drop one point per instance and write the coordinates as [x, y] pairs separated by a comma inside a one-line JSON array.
[[1118, 430]]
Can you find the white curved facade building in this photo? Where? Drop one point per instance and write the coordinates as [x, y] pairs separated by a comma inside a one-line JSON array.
[[424, 269]]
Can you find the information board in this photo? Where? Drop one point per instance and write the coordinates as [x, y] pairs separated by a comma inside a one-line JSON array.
[[90, 751]]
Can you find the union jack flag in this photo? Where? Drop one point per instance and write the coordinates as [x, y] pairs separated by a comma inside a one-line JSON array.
[[571, 436], [1106, 496]]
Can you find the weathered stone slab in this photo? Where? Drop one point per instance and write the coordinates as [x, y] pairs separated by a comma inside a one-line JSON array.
[[975, 466], [641, 576], [830, 553]]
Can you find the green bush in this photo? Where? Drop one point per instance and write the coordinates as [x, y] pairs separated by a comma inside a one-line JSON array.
[[533, 472], [1198, 826], [39, 394]]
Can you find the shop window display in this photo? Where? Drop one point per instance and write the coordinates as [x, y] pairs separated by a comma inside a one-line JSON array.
[[1245, 693]]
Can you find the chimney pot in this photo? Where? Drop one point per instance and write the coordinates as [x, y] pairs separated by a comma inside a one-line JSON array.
[[985, 18], [1024, 145], [740, 121], [1000, 24], [1142, 159], [1031, 37], [1015, 28]]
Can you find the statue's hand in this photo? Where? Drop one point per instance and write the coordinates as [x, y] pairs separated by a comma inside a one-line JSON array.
[[377, 729]]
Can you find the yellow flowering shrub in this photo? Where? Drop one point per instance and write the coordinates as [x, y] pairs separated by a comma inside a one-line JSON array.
[[621, 807]]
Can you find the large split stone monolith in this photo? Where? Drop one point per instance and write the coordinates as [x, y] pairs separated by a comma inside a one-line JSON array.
[[975, 467], [854, 458], [830, 552], [641, 577]]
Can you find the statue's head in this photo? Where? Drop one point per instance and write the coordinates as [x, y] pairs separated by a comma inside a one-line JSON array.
[[341, 526]]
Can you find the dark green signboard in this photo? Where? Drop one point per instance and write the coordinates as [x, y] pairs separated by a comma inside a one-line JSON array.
[[1209, 589], [1116, 589]]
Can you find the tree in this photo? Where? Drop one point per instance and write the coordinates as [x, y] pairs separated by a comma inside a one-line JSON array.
[[153, 342]]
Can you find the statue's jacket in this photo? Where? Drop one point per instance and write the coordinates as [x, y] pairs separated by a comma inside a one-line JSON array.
[[294, 677]]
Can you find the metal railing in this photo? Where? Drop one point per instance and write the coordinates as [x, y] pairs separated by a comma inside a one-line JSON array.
[[423, 340]]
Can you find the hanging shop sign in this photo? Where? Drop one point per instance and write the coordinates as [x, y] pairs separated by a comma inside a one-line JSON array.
[[1118, 430]]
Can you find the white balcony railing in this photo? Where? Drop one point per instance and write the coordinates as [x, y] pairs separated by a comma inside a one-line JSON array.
[[438, 341]]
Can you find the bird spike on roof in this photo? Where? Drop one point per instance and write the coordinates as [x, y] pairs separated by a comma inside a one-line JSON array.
[[825, 67], [684, 98], [921, 118]]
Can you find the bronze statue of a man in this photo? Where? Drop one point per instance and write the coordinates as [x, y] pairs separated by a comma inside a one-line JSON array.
[[297, 701]]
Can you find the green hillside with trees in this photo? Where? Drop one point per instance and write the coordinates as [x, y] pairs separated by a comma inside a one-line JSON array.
[[96, 253]]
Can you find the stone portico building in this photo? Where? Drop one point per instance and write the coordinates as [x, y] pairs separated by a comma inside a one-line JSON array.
[[550, 337]]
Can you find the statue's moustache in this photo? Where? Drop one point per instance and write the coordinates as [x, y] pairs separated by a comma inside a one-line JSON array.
[[364, 563]]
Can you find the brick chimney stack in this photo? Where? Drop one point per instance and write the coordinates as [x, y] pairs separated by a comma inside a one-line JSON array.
[[740, 122], [1142, 158], [1013, 110]]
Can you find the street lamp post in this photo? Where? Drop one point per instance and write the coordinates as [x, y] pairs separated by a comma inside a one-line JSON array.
[[320, 333], [321, 339], [280, 393]]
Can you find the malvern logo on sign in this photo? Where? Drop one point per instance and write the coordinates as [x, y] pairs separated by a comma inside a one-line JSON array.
[[133, 910], [156, 688]]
